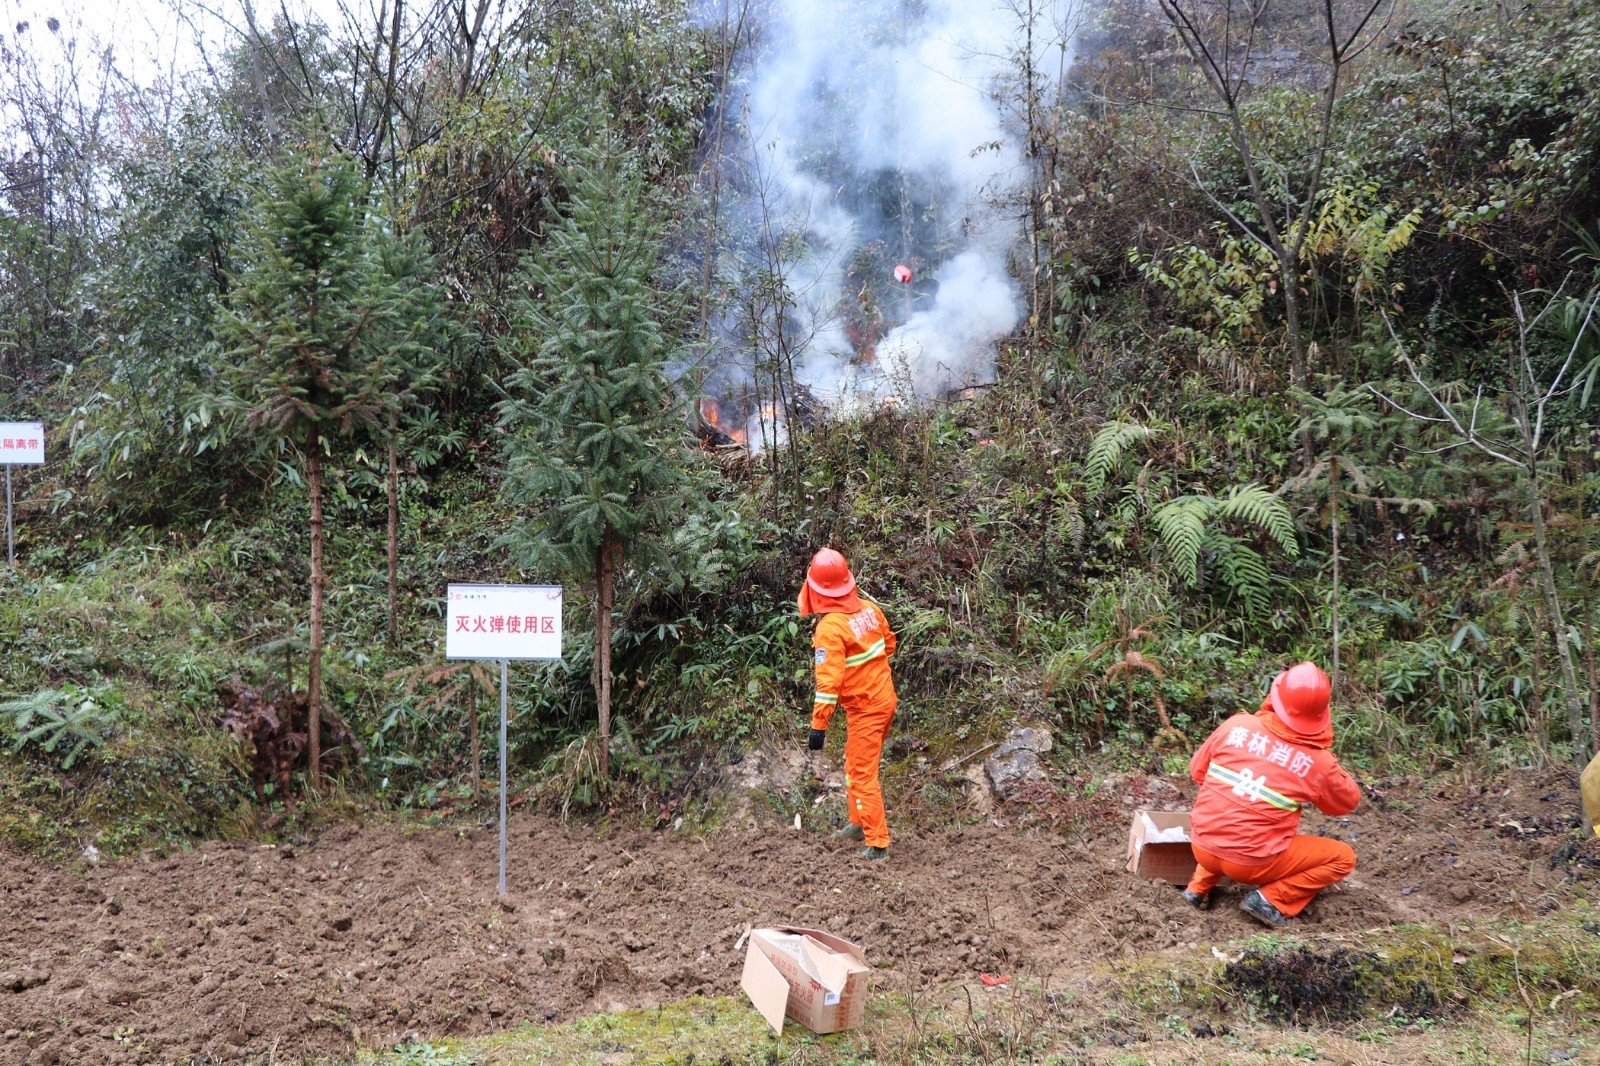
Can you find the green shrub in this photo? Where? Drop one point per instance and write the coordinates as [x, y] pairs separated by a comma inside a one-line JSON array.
[[64, 723]]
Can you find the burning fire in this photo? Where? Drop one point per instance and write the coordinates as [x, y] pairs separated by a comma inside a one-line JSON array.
[[864, 338], [711, 415], [737, 423]]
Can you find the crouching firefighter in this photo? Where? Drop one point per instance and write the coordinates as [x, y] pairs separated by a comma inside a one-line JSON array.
[[851, 649], [1256, 772]]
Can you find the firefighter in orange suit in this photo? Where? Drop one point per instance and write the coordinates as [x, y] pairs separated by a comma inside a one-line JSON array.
[[851, 649], [1256, 772]]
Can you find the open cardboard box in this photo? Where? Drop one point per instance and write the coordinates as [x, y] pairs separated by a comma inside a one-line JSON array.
[[817, 979], [1158, 846]]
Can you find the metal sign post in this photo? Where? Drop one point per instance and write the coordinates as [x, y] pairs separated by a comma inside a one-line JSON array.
[[502, 777], [503, 622], [21, 444]]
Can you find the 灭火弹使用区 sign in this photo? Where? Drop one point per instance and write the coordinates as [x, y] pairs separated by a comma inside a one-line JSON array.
[[22, 443], [503, 622]]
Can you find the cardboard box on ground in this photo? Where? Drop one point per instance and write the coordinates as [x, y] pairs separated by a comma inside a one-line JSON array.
[[816, 978], [1158, 846]]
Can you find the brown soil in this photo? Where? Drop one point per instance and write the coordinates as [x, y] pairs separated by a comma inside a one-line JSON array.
[[241, 951]]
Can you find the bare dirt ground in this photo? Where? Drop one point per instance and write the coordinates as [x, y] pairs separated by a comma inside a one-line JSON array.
[[237, 951]]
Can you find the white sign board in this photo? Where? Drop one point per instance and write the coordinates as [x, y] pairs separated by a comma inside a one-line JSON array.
[[21, 443], [503, 622]]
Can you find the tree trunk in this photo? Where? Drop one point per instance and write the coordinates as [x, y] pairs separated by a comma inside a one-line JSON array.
[[1592, 673], [1536, 633], [394, 534], [385, 124], [314, 680], [472, 733], [469, 42], [1558, 628], [605, 582], [1036, 322], [709, 258], [1333, 510], [1287, 260], [258, 78]]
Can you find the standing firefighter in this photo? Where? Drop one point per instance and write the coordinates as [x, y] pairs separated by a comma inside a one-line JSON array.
[[1256, 772], [851, 649]]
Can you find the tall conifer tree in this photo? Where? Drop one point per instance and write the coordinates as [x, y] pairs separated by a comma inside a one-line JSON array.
[[314, 327], [598, 450]]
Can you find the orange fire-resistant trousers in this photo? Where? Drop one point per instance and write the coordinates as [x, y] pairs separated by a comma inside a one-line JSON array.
[[865, 730], [1290, 881]]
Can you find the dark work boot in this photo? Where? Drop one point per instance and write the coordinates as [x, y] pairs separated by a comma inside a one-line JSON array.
[[1257, 907], [870, 852], [851, 831], [1200, 901]]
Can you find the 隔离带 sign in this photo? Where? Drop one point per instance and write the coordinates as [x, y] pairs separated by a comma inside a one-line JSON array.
[[21, 444]]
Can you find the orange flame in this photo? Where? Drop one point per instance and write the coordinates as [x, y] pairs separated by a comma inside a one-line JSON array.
[[711, 415]]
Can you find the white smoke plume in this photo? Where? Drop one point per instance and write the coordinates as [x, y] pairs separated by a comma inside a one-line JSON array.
[[952, 342], [876, 135]]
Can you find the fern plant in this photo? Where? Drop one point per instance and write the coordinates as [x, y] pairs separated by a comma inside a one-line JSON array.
[[64, 723], [1187, 525], [1105, 451]]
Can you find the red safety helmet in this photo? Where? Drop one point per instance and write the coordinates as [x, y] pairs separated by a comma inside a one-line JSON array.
[[1300, 696], [830, 575]]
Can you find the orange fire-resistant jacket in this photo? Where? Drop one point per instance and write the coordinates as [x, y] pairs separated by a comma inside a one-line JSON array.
[[852, 659], [1255, 774]]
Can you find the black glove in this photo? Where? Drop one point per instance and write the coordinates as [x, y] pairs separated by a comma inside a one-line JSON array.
[[814, 741]]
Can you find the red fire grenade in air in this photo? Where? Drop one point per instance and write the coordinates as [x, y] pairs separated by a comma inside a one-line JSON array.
[[902, 274]]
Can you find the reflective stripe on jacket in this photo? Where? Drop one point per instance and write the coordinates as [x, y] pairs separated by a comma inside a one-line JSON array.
[[851, 653], [1252, 786]]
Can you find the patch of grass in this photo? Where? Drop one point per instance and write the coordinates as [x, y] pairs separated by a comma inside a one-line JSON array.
[[693, 1030], [424, 1054]]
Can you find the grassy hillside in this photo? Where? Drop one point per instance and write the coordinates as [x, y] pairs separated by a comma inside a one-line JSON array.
[[1149, 511]]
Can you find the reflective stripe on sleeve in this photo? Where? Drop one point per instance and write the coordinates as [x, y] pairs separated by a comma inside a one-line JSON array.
[[824, 697]]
